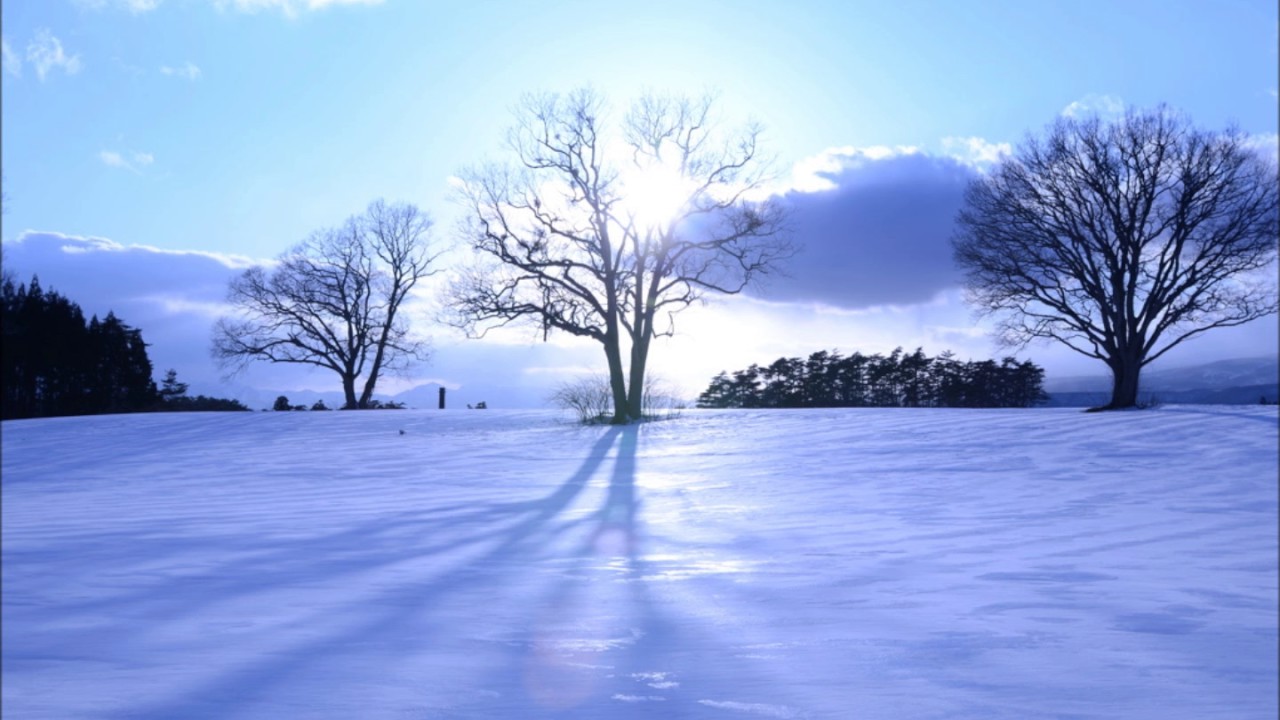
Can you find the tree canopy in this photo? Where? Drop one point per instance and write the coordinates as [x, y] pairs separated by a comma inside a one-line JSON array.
[[829, 379], [1124, 239], [607, 231], [56, 363], [335, 301]]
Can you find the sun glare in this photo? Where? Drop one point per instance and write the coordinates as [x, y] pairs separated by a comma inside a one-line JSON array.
[[655, 195]]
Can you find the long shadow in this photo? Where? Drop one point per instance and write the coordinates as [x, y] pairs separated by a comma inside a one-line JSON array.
[[603, 564], [617, 518], [351, 551], [601, 645], [593, 608], [387, 616]]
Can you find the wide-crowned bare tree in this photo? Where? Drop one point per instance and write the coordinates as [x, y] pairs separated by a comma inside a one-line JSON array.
[[1123, 239], [335, 301], [606, 232]]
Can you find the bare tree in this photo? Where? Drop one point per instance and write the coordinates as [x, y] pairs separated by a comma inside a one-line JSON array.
[[335, 301], [1123, 240], [608, 236]]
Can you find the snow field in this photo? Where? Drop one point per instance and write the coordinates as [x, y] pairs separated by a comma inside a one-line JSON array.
[[862, 563]]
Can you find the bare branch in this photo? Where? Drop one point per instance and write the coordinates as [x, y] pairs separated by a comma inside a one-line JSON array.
[[335, 301], [1122, 241], [561, 244]]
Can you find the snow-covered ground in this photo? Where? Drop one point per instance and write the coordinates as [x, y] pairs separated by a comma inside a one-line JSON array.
[[733, 564]]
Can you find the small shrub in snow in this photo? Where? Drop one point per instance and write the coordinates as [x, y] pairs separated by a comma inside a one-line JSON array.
[[587, 396], [590, 398]]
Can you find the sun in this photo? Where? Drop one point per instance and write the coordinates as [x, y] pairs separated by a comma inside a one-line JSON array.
[[655, 195]]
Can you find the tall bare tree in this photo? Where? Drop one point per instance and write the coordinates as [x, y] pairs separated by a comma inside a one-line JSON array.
[[335, 301], [607, 236], [1122, 240]]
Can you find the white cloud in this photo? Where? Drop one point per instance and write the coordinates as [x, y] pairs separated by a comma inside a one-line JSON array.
[[135, 162], [1266, 144], [563, 370], [290, 8], [12, 63], [976, 152], [46, 54], [807, 174], [188, 71], [112, 158], [814, 174], [1093, 104], [136, 7], [172, 303], [72, 244]]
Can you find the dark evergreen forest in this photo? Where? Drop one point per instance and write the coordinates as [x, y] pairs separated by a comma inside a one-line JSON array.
[[828, 379], [57, 363]]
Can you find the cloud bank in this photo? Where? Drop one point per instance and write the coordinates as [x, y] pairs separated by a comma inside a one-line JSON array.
[[175, 297], [877, 273], [172, 296], [876, 227]]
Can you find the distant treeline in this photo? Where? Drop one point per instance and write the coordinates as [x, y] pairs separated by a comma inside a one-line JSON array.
[[56, 363], [828, 379]]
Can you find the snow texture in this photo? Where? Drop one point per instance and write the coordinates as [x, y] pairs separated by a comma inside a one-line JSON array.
[[874, 563]]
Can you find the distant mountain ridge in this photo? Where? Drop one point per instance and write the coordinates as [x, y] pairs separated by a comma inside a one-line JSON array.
[[1227, 382]]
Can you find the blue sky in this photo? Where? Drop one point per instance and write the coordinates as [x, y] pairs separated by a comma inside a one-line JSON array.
[[159, 138]]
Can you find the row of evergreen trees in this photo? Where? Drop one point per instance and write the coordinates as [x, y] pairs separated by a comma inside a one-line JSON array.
[[56, 363], [828, 379]]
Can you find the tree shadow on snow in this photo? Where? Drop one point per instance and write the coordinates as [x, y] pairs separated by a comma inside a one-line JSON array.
[[398, 619], [591, 640], [600, 644]]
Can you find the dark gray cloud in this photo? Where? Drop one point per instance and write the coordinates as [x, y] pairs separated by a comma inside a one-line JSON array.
[[880, 235]]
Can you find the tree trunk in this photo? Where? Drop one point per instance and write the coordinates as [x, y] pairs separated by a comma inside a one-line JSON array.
[[367, 394], [349, 392], [380, 351], [639, 360], [617, 380], [642, 332], [1124, 387]]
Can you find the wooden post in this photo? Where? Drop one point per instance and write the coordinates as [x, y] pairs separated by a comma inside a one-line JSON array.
[[441, 398]]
